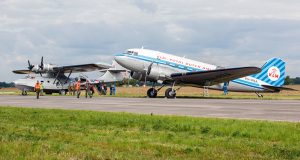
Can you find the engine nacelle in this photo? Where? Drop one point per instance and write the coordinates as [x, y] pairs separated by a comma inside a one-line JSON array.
[[157, 73], [46, 68], [137, 75]]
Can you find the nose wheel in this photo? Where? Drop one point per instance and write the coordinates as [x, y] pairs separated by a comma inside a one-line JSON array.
[[170, 93], [152, 93]]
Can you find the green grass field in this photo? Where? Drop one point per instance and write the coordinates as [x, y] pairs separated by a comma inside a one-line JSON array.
[[62, 134]]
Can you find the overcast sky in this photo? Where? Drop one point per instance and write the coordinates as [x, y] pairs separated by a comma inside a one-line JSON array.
[[229, 33]]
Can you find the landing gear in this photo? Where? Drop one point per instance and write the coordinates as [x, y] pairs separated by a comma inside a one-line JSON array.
[[24, 93], [152, 93], [62, 92], [170, 93], [259, 95]]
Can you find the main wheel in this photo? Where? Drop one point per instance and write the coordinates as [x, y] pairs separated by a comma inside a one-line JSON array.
[[152, 93], [62, 92], [170, 93]]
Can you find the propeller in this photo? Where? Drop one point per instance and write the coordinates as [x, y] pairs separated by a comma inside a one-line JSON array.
[[148, 71], [42, 63], [30, 66]]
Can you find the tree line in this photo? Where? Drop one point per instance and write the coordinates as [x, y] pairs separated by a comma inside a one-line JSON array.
[[289, 80], [6, 85]]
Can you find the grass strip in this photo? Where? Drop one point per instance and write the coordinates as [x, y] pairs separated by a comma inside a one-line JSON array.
[[67, 134]]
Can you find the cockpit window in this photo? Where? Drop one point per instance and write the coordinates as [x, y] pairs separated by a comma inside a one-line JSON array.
[[132, 53]]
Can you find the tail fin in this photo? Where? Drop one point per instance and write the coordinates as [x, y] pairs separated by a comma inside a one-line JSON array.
[[273, 72]]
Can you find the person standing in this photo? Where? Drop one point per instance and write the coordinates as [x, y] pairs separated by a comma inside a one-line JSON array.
[[104, 89], [37, 89], [110, 89], [77, 88], [87, 89], [225, 88], [90, 90], [70, 91], [42, 88], [114, 88]]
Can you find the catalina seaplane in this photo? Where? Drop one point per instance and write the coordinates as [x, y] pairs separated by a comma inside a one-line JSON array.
[[55, 81], [166, 69]]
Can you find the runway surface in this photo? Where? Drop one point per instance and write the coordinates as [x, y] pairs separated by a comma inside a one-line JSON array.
[[275, 110]]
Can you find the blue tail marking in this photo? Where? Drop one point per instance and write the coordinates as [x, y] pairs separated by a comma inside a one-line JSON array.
[[273, 72]]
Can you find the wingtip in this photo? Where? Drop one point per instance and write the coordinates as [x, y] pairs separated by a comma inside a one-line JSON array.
[[21, 71]]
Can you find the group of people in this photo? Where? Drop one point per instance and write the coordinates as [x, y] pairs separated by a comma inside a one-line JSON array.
[[89, 89], [76, 88], [102, 89]]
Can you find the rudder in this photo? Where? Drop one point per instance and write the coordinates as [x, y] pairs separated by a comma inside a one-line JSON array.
[[273, 72]]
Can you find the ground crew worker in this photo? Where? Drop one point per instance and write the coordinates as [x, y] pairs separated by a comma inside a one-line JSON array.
[[73, 89], [77, 88], [87, 89], [42, 89], [37, 89], [70, 90]]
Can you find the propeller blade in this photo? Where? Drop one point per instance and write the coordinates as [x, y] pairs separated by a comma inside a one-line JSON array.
[[30, 66], [149, 69], [42, 63]]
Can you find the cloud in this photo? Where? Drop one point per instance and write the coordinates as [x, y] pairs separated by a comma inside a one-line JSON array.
[[222, 32]]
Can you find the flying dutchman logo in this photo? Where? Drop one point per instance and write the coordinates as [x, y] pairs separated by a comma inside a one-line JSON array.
[[273, 73]]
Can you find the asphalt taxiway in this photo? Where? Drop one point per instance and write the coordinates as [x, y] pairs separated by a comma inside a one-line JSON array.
[[275, 110]]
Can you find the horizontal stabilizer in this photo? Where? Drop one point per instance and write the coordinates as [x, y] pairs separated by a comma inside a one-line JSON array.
[[278, 89]]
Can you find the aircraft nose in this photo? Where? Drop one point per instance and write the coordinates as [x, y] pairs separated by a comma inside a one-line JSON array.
[[120, 60]]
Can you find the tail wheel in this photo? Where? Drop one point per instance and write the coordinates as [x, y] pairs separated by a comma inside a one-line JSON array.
[[24, 93], [170, 93], [152, 93]]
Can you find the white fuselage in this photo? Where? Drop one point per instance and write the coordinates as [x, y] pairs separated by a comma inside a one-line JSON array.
[[163, 65], [28, 83]]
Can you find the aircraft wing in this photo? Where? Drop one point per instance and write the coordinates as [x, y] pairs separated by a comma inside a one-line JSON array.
[[212, 77], [82, 67], [22, 71], [113, 70]]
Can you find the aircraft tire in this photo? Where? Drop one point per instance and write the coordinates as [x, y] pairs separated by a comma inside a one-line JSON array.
[[170, 93], [152, 93], [62, 92], [24, 93]]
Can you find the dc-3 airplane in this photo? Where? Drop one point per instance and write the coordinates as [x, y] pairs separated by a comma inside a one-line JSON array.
[[166, 69], [54, 78]]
